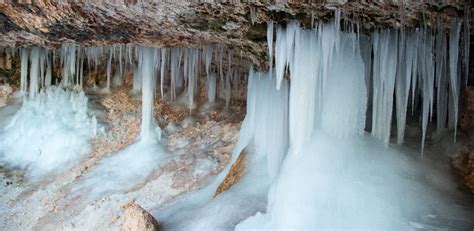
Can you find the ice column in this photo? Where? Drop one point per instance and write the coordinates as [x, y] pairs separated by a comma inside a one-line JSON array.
[[147, 70]]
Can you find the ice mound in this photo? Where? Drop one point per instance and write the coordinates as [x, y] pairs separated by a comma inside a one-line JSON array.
[[48, 132], [124, 170]]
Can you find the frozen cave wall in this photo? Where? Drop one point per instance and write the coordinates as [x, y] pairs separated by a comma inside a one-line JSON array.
[[50, 23]]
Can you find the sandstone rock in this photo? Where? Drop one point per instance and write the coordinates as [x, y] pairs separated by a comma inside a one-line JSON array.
[[138, 219], [234, 175]]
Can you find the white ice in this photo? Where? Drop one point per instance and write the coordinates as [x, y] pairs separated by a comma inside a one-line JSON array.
[[48, 132]]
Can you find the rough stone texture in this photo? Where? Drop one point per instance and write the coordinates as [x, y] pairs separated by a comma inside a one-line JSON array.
[[466, 118], [5, 91], [463, 162], [463, 165], [178, 23], [138, 219]]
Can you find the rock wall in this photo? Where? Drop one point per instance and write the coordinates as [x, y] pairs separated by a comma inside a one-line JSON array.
[[188, 24]]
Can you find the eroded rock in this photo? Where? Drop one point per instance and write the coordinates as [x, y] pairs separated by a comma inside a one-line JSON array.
[[190, 24]]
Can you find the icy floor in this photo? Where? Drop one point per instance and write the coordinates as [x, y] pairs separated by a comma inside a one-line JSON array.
[[354, 183], [340, 184], [199, 211], [124, 170], [89, 194], [357, 183]]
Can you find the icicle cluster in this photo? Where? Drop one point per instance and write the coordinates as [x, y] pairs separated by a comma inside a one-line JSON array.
[[268, 110], [420, 64], [35, 63], [178, 69], [334, 74]]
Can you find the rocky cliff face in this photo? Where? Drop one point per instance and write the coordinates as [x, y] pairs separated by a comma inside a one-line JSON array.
[[188, 24]]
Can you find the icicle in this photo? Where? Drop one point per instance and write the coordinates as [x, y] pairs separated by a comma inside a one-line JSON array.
[[162, 70], [453, 70], [42, 60], [228, 88], [270, 46], [280, 52], [441, 81], [34, 72], [414, 79], [24, 55], [77, 65], [193, 73], [68, 61], [120, 60], [337, 22], [220, 55], [109, 68], [427, 77], [174, 66], [211, 87], [130, 57], [403, 81], [137, 78], [384, 72], [207, 59], [49, 71], [81, 68], [467, 42]]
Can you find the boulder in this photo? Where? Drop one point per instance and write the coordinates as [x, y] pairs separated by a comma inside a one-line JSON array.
[[138, 219]]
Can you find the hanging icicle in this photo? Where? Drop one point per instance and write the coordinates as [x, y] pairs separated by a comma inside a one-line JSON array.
[[453, 71]]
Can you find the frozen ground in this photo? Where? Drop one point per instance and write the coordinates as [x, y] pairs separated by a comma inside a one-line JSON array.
[[352, 182], [358, 183], [89, 193]]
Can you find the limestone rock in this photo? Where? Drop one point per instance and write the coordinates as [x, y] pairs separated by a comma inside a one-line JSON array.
[[138, 219]]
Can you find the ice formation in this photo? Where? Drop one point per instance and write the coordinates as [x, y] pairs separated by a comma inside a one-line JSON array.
[[305, 135], [327, 172], [122, 171], [198, 210], [332, 172], [140, 158], [148, 71], [48, 132]]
